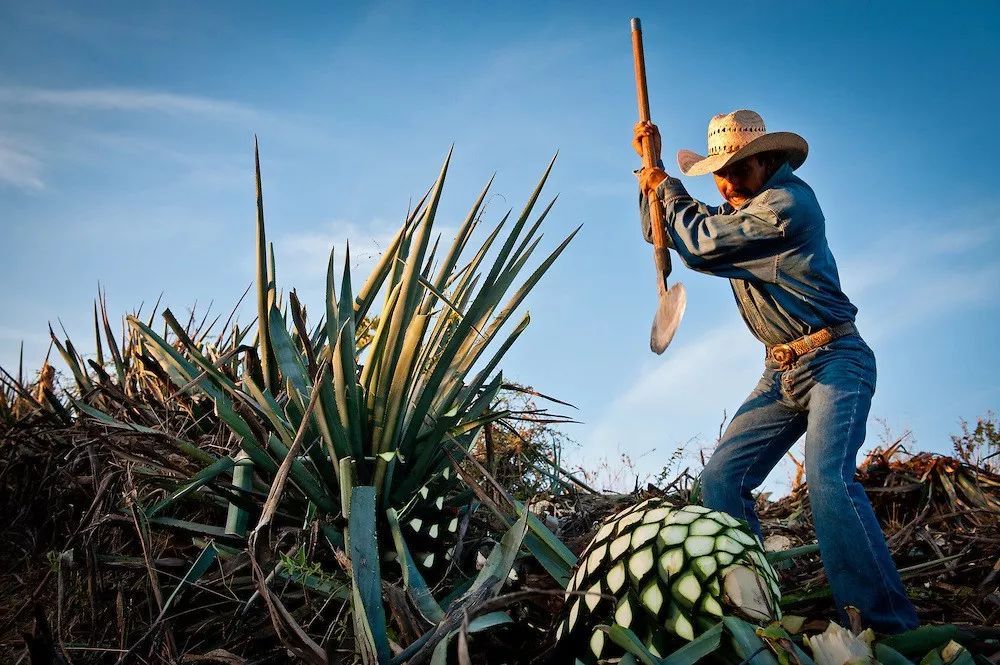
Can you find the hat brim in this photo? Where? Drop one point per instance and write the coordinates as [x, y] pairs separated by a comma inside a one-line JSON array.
[[691, 163]]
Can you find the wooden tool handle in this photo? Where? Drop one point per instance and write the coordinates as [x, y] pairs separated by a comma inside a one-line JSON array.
[[661, 254]]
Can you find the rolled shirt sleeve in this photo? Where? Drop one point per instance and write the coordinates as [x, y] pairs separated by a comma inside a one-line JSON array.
[[741, 244]]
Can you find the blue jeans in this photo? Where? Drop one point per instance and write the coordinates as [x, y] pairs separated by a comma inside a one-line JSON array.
[[826, 394]]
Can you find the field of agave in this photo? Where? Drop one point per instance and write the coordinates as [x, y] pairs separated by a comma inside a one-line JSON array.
[[339, 489]]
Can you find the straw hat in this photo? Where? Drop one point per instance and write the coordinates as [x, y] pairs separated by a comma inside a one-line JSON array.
[[740, 134]]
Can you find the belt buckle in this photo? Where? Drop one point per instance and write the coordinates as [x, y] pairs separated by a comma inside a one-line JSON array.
[[784, 355]]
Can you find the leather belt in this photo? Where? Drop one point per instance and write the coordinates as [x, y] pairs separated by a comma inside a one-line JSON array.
[[786, 354]]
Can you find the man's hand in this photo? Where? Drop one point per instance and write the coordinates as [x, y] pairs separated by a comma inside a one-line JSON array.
[[644, 131], [650, 179]]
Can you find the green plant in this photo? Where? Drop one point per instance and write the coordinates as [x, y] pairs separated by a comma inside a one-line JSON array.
[[348, 423], [980, 445], [659, 571]]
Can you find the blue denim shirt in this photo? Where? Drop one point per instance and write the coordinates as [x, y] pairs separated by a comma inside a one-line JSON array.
[[772, 248]]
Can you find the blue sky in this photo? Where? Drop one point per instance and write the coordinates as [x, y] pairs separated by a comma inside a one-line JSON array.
[[125, 158]]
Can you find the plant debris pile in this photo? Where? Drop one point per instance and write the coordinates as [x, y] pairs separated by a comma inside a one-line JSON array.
[[941, 517], [75, 555]]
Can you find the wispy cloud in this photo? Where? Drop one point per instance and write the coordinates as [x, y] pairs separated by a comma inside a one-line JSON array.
[[23, 168], [887, 260], [693, 384], [305, 254], [18, 167], [954, 267], [124, 99]]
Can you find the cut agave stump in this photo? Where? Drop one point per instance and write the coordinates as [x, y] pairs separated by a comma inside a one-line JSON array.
[[673, 573]]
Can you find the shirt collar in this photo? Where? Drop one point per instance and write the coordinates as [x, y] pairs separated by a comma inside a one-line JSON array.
[[783, 173]]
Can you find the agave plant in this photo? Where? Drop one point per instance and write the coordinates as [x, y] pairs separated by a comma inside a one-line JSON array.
[[352, 423], [670, 572]]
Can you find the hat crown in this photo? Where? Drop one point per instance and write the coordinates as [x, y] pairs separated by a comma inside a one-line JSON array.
[[729, 132]]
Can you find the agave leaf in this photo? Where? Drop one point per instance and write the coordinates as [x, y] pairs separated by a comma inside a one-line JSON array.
[[886, 655], [399, 389], [109, 336], [301, 476], [345, 364], [495, 293], [370, 373], [501, 558], [301, 336], [484, 621], [551, 552], [236, 517], [401, 335], [72, 360], [290, 460], [217, 533], [413, 581], [99, 347], [747, 644], [366, 579], [631, 643], [206, 365], [265, 286], [200, 479], [469, 274], [460, 300], [348, 480], [265, 403], [498, 355], [529, 284], [331, 428], [201, 564], [793, 553], [287, 356], [431, 399], [530, 235], [440, 654], [703, 645], [920, 640], [448, 390]]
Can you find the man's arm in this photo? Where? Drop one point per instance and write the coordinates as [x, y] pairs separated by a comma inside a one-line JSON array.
[[717, 240]]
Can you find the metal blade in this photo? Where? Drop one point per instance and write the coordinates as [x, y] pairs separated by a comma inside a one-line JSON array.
[[669, 311]]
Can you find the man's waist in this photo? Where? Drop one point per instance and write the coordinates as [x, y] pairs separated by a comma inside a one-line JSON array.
[[788, 353]]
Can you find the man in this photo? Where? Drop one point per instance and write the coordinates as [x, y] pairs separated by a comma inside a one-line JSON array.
[[769, 239]]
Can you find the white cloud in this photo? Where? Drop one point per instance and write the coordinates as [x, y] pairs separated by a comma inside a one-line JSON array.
[[692, 384], [949, 267], [305, 254], [19, 168], [123, 99]]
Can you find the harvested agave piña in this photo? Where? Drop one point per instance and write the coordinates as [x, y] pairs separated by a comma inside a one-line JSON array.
[[672, 572]]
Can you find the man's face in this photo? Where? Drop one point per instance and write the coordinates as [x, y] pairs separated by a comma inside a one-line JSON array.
[[741, 180]]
